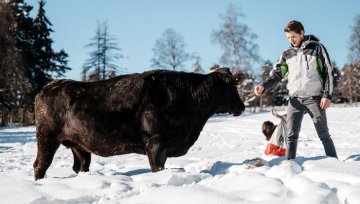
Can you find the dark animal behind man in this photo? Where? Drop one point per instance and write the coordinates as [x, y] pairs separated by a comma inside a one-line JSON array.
[[158, 113]]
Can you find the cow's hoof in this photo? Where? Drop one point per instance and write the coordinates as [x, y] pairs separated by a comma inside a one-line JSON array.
[[157, 169], [76, 169], [37, 176]]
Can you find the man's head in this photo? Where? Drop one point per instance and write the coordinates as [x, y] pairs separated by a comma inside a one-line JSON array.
[[294, 31]]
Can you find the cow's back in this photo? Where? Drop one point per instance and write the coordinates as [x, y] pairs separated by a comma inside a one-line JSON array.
[[63, 99]]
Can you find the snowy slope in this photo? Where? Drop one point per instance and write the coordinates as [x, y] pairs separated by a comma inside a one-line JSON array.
[[219, 168]]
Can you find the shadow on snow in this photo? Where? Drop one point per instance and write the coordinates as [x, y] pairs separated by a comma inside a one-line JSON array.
[[17, 137]]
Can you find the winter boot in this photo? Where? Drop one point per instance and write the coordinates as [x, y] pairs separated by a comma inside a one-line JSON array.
[[329, 147], [291, 150]]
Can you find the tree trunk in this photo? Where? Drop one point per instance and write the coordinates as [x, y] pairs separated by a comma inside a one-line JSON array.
[[350, 93], [4, 116]]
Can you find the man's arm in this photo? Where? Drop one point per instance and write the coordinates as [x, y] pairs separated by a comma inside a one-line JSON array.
[[328, 85], [276, 75]]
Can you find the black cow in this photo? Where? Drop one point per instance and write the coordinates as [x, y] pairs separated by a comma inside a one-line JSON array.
[[158, 113]]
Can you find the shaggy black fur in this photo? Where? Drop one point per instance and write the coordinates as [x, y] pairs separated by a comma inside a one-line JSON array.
[[158, 113]]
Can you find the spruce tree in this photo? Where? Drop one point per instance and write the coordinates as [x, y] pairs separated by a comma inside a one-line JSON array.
[[18, 60], [105, 53], [13, 83], [197, 66], [41, 49], [48, 63], [28, 61]]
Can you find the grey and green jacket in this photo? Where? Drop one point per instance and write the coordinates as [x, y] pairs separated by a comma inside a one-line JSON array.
[[308, 70]]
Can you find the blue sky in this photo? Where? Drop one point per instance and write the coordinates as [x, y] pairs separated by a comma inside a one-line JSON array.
[[137, 24]]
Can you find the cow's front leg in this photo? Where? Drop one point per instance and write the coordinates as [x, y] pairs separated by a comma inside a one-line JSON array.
[[47, 146], [156, 153]]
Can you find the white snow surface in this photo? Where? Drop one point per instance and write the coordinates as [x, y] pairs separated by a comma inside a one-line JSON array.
[[218, 168]]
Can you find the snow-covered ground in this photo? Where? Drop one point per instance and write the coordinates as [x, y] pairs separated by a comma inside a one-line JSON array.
[[219, 168]]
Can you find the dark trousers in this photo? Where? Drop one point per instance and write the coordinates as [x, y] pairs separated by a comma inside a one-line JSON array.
[[297, 107]]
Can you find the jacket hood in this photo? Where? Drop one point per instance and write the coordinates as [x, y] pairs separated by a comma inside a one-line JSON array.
[[308, 39]]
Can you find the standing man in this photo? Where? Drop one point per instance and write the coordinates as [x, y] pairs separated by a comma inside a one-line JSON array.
[[307, 67]]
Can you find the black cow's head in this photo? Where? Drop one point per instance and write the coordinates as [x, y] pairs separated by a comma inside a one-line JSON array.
[[230, 101]]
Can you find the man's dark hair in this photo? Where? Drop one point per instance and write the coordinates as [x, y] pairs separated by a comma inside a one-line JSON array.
[[295, 26]]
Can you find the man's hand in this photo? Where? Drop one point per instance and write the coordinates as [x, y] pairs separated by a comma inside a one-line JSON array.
[[259, 90], [325, 103]]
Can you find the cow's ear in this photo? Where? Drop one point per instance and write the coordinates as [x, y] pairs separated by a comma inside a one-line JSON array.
[[224, 70], [238, 78]]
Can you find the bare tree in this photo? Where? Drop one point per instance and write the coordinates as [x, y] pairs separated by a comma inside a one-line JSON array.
[[354, 41], [349, 84], [102, 62], [197, 66], [236, 40], [169, 51]]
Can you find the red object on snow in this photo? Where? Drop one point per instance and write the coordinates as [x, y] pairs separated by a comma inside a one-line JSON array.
[[272, 149]]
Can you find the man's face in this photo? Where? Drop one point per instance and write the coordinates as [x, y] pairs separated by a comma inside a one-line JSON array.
[[295, 38]]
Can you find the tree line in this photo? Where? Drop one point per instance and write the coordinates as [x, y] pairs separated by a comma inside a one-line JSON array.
[[28, 61], [240, 54]]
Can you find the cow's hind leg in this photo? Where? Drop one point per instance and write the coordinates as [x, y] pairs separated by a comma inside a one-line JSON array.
[[156, 153], [76, 166], [47, 147], [82, 160]]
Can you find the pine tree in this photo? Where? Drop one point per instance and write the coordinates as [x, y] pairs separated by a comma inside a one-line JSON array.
[[267, 98], [41, 49], [337, 95], [277, 96], [28, 61], [13, 83], [23, 27], [91, 68], [197, 66], [102, 63], [48, 63]]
